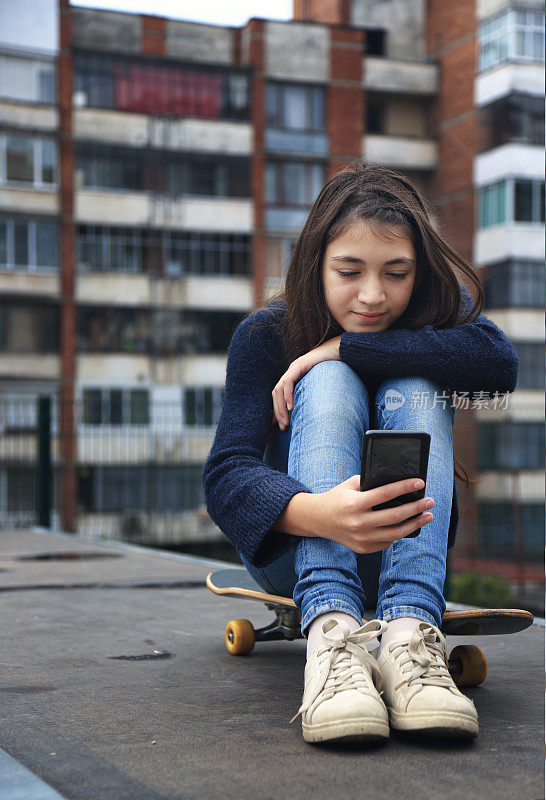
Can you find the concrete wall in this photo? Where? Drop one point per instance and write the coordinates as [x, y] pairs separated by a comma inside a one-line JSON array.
[[404, 21], [486, 8], [296, 51], [106, 30], [192, 41]]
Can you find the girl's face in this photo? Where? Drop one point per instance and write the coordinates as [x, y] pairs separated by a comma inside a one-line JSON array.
[[364, 274]]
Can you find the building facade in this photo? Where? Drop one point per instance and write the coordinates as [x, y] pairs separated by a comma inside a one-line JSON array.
[[154, 176]]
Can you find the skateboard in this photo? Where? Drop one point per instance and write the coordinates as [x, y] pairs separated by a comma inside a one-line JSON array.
[[467, 663]]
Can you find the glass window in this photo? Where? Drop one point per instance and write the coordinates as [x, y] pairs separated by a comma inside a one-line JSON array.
[[510, 445], [46, 84], [20, 238], [92, 399], [17, 78], [115, 407], [524, 201], [20, 158], [3, 242], [515, 283], [296, 106], [502, 524], [49, 161], [293, 183], [46, 244], [531, 365], [513, 34], [160, 89], [21, 331], [493, 205], [140, 412], [529, 201], [516, 118]]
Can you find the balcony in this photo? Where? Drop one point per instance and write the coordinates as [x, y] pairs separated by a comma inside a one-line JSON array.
[[400, 152], [400, 77]]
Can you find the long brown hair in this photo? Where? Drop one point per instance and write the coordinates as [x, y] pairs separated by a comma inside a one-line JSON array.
[[385, 199]]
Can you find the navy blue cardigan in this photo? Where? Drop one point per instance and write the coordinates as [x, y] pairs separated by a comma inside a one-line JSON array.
[[244, 496]]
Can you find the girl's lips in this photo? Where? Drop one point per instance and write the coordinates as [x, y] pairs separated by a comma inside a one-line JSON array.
[[370, 316]]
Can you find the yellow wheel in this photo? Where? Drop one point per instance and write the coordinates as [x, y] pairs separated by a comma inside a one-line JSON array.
[[240, 637], [467, 665]]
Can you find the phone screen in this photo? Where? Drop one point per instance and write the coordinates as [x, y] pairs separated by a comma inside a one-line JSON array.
[[393, 461]]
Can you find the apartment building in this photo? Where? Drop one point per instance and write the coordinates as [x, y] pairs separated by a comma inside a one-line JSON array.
[[163, 170]]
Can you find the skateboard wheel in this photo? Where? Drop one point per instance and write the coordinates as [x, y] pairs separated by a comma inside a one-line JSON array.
[[240, 637], [467, 665]]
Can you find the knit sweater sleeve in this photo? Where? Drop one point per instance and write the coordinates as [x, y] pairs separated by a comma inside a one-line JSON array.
[[475, 356], [244, 496]]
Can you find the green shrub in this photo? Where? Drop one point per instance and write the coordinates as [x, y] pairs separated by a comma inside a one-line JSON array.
[[474, 589]]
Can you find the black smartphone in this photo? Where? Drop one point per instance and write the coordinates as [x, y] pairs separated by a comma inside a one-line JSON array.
[[391, 456]]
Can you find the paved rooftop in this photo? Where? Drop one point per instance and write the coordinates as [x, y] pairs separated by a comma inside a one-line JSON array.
[[116, 684]]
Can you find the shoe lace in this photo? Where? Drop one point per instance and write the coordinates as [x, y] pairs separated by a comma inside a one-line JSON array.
[[426, 655], [341, 664]]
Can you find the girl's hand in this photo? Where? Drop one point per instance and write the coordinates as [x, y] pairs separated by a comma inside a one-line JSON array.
[[344, 514], [283, 391]]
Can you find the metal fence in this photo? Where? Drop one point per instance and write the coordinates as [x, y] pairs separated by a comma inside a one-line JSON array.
[[140, 481]]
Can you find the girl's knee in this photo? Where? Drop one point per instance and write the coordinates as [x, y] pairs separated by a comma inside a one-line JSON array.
[[331, 375], [332, 388], [416, 393]]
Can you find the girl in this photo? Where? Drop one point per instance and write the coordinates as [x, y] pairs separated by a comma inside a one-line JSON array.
[[373, 330]]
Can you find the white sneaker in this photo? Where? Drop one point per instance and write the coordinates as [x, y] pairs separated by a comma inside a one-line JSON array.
[[419, 691], [341, 698]]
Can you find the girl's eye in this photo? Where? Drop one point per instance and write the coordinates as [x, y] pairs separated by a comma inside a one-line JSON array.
[[399, 276]]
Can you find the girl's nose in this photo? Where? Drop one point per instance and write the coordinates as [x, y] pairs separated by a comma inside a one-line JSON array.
[[371, 294]]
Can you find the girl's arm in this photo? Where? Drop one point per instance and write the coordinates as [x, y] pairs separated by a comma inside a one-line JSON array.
[[244, 496], [471, 357]]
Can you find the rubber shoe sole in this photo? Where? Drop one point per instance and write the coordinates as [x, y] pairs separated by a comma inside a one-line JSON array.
[[349, 730], [441, 724]]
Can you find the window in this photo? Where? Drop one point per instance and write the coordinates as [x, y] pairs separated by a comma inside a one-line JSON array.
[[516, 118], [29, 328], [529, 201], [510, 445], [160, 88], [123, 169], [109, 249], [515, 283], [376, 41], [115, 407], [159, 331], [531, 365], [511, 201], [289, 183], [19, 159], [513, 35], [156, 488], [202, 405], [215, 177], [29, 160], [30, 245], [375, 114], [109, 167], [503, 525], [27, 80], [296, 107], [493, 205], [207, 254]]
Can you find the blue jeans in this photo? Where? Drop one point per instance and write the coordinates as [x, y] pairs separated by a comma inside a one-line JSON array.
[[322, 447]]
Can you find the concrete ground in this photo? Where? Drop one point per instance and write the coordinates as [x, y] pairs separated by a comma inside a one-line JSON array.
[[116, 684]]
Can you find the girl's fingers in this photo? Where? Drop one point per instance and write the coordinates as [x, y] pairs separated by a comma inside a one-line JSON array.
[[402, 530]]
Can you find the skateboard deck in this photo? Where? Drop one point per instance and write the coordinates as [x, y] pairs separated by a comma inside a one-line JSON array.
[[467, 664]]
